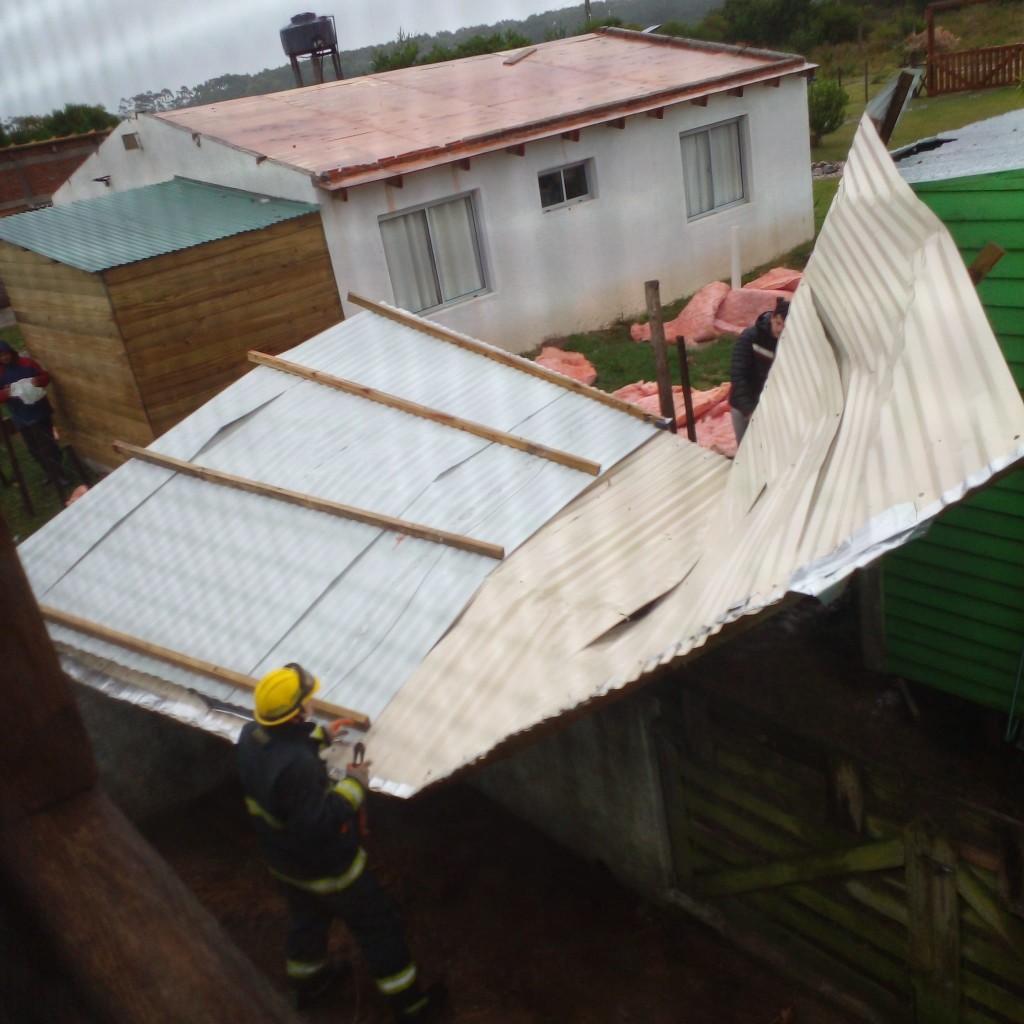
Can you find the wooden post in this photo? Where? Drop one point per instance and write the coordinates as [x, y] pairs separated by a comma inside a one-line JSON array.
[[668, 409], [138, 946], [684, 378], [933, 923]]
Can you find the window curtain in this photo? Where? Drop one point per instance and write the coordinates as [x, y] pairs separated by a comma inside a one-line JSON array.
[[727, 168], [453, 236], [700, 194], [407, 251], [712, 168]]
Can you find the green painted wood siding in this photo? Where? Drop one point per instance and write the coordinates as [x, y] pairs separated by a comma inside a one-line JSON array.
[[954, 600]]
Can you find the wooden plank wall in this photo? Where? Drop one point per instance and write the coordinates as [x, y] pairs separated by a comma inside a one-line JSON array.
[[954, 600], [829, 859], [189, 318], [68, 325]]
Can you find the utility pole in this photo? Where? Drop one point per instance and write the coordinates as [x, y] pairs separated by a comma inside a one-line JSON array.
[[586, 10]]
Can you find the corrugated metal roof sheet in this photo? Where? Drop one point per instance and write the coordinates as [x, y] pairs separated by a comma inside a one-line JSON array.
[[888, 400], [366, 129], [125, 227], [985, 147], [183, 564]]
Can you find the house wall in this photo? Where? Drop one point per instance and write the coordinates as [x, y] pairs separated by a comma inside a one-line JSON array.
[[594, 788], [189, 318], [31, 173], [167, 152], [580, 266], [954, 600], [68, 324], [548, 272]]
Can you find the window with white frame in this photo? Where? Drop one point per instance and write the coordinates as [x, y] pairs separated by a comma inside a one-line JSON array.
[[713, 169], [565, 185], [433, 254]]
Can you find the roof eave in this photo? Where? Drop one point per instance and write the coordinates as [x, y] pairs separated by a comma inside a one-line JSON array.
[[338, 178]]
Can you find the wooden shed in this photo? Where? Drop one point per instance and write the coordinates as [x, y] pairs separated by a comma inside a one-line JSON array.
[[954, 600], [143, 304]]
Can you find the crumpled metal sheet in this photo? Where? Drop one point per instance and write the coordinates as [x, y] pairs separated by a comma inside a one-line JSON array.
[[889, 399]]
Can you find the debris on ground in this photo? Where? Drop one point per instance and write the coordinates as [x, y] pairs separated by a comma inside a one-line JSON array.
[[571, 364], [718, 309], [712, 417]]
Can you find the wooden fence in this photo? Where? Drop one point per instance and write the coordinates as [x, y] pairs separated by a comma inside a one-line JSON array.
[[990, 68], [910, 908]]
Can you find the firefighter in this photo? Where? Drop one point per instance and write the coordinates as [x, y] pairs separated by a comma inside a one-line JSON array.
[[308, 828]]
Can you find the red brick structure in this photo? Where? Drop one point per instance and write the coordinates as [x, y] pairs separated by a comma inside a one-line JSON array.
[[32, 172]]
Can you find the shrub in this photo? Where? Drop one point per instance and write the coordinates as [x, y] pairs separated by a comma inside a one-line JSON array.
[[826, 101]]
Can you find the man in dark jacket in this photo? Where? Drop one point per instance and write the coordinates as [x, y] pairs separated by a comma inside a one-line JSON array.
[[308, 828], [752, 358], [33, 419]]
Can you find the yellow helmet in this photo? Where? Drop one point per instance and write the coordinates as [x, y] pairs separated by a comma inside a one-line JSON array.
[[282, 692]]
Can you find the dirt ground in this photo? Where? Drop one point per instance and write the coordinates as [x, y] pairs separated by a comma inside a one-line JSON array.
[[521, 931]]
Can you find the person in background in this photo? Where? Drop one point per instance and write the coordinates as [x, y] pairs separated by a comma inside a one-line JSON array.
[[752, 358], [30, 412], [309, 831]]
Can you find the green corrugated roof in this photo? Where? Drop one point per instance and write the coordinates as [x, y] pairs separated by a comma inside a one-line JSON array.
[[125, 227]]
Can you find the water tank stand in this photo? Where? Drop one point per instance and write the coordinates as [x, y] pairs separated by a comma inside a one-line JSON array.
[[316, 60]]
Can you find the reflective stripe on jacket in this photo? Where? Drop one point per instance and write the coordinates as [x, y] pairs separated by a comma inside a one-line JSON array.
[[300, 815]]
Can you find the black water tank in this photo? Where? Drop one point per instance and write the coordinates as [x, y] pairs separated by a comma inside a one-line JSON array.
[[308, 34]]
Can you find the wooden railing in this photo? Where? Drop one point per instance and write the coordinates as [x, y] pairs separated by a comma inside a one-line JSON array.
[[990, 68]]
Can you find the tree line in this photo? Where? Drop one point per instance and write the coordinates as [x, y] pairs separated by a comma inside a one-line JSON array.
[[72, 119]]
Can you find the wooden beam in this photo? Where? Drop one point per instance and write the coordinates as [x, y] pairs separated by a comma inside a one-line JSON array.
[[887, 123], [382, 522], [661, 372], [515, 58], [658, 112], [185, 661], [985, 261], [982, 902], [395, 182], [773, 83], [132, 939], [933, 927], [618, 122], [38, 701], [738, 91], [519, 149], [879, 856], [699, 101], [573, 135], [465, 163], [400, 316], [425, 412]]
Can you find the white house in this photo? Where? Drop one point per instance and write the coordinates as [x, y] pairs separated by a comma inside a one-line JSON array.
[[517, 195]]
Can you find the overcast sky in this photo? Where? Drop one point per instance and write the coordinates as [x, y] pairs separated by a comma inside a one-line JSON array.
[[54, 52]]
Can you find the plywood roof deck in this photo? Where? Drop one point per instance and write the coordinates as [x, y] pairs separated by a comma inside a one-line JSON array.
[[367, 129]]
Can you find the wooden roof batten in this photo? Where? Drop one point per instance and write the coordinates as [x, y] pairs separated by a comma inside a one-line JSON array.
[[186, 661], [426, 412], [498, 355], [383, 522]]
